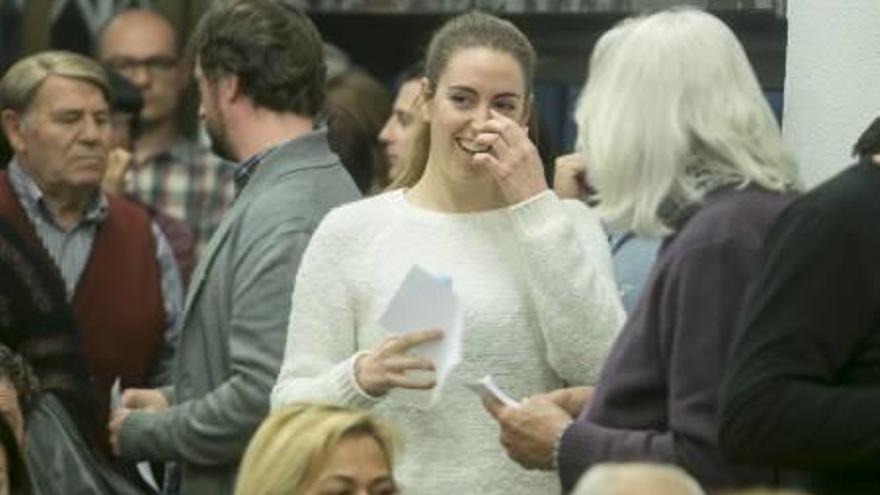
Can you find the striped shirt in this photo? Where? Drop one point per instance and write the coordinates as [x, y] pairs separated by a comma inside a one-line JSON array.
[[70, 249]]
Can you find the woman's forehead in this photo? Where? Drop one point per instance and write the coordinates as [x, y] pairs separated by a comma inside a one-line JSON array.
[[481, 69]]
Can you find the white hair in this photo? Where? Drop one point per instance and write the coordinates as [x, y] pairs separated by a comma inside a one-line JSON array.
[[637, 479], [672, 110]]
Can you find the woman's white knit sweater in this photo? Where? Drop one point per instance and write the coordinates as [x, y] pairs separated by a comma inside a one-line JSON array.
[[541, 310]]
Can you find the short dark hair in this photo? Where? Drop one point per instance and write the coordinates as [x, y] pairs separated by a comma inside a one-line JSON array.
[[273, 49]]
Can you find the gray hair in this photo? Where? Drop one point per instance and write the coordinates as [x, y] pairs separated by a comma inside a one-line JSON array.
[[21, 82], [637, 479], [672, 110]]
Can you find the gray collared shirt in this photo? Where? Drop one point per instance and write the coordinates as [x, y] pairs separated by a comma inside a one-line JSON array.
[[70, 250]]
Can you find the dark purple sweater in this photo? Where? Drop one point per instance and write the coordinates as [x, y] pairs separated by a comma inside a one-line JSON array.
[[656, 399]]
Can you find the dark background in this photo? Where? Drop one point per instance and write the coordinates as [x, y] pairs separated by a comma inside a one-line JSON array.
[[384, 36]]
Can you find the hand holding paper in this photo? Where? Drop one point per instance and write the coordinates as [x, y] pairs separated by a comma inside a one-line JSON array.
[[489, 390], [386, 367], [427, 317], [117, 417]]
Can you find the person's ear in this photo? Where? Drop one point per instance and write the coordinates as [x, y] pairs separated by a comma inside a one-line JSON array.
[[230, 88], [14, 128]]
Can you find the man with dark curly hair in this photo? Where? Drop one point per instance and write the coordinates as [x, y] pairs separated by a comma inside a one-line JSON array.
[[260, 71]]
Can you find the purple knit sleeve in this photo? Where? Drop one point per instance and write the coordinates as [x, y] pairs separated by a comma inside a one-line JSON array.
[[657, 398]]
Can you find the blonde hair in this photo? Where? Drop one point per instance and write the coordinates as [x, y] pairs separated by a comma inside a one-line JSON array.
[[21, 82], [670, 111], [294, 443], [470, 30], [637, 479]]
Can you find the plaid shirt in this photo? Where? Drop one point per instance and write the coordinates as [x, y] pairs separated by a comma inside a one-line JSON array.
[[186, 182], [242, 174]]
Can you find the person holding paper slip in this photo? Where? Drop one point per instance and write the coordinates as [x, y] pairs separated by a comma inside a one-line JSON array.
[[681, 145], [534, 300], [259, 66]]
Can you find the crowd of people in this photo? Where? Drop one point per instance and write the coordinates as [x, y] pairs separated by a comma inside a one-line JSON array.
[[674, 316]]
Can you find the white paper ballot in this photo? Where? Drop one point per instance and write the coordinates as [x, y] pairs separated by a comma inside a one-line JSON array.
[[425, 301], [115, 403], [486, 387], [146, 473], [115, 395]]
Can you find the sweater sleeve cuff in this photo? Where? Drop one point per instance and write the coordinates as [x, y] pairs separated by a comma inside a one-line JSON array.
[[574, 456], [137, 436], [534, 215], [347, 384], [168, 393], [556, 444]]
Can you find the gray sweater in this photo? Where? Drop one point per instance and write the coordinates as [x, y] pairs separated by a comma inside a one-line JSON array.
[[235, 320], [657, 396]]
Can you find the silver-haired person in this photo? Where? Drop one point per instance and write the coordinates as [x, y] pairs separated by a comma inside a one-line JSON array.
[[637, 478], [682, 144]]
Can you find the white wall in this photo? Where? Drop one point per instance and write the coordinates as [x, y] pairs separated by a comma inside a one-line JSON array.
[[832, 82]]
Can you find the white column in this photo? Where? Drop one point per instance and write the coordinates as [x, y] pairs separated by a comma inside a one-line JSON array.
[[832, 82]]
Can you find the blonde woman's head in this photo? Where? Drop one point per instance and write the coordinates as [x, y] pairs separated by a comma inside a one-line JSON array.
[[311, 449]]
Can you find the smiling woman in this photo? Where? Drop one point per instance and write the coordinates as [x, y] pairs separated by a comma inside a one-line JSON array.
[[533, 273]]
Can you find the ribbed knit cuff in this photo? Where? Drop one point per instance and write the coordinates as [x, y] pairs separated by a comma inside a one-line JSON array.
[[168, 393], [137, 436], [556, 443], [574, 454], [538, 213], [348, 386]]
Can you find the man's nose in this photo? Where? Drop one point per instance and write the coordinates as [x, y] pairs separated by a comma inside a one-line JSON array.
[[93, 131], [140, 76]]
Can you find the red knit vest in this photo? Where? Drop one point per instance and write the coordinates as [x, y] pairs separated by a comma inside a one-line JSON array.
[[118, 303]]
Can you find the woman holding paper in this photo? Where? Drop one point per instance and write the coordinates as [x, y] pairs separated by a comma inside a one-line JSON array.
[[532, 274]]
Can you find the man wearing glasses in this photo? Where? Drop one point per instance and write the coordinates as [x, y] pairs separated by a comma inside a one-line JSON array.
[[170, 173]]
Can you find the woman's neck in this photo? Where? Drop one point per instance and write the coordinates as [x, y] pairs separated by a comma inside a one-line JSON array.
[[437, 191]]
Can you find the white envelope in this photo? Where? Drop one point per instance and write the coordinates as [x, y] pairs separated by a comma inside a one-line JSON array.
[[426, 301], [486, 387], [142, 467]]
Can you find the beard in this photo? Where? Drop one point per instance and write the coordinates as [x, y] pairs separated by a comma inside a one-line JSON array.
[[216, 129]]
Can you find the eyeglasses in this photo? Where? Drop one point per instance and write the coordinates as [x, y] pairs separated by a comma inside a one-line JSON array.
[[128, 67]]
